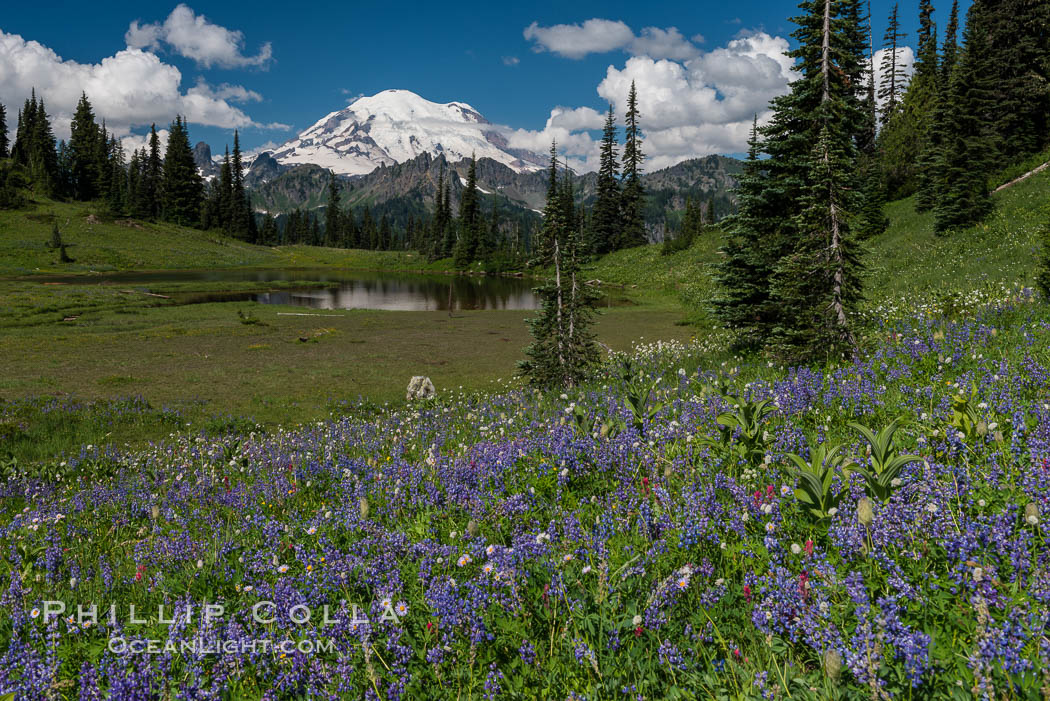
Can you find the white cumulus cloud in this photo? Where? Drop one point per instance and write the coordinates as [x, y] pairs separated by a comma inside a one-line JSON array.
[[193, 36], [578, 40], [689, 107], [596, 36], [131, 89], [663, 43], [906, 59], [225, 91], [134, 142]]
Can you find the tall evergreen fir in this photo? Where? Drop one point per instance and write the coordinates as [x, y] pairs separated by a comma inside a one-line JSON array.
[[470, 221], [967, 151], [449, 226], [872, 219], [368, 231], [386, 234], [147, 202], [83, 147], [333, 229], [437, 222], [132, 185], [181, 185], [632, 199], [34, 147], [19, 149], [745, 270], [103, 160], [812, 185], [242, 222], [1017, 34], [929, 176], [605, 217], [268, 234], [894, 79], [904, 142], [43, 166], [117, 187], [926, 58], [563, 350], [225, 193], [490, 233], [4, 143], [950, 48]]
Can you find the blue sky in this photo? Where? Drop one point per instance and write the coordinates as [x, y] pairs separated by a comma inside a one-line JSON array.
[[275, 68]]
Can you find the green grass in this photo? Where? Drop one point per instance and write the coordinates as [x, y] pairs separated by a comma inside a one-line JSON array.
[[204, 359], [97, 243], [909, 260], [906, 262], [102, 342], [38, 428]]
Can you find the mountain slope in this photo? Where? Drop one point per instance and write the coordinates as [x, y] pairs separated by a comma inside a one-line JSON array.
[[395, 126], [411, 186]]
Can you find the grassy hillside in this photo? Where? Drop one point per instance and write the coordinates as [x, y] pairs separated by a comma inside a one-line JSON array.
[[102, 244], [905, 263]]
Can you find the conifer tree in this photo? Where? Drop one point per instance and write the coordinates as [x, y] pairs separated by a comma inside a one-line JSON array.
[[904, 142], [967, 150], [147, 203], [929, 177], [490, 233], [1017, 38], [315, 231], [34, 147], [268, 236], [386, 235], [605, 218], [470, 223], [117, 187], [349, 226], [632, 199], [437, 222], [691, 228], [181, 188], [745, 269], [134, 175], [43, 165], [926, 58], [563, 350], [242, 222], [368, 229], [894, 78], [810, 184], [83, 151], [24, 130], [950, 48], [4, 144], [223, 193], [872, 219], [333, 215]]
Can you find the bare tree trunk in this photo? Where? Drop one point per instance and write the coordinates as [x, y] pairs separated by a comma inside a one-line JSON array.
[[561, 307], [825, 52], [838, 259]]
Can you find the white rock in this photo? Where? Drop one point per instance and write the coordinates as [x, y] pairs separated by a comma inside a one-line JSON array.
[[420, 387]]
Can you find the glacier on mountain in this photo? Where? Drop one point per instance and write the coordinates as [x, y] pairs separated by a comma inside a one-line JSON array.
[[395, 126]]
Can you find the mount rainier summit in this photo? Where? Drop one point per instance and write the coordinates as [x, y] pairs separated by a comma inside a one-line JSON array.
[[396, 126]]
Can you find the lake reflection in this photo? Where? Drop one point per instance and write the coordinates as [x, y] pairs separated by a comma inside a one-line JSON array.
[[331, 289], [415, 293]]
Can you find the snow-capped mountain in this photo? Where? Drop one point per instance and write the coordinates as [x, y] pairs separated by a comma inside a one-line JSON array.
[[395, 126]]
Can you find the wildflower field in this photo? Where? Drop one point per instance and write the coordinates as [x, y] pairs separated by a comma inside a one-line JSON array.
[[680, 528]]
